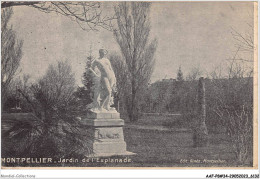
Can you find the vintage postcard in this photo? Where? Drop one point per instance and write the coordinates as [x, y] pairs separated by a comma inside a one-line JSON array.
[[92, 84]]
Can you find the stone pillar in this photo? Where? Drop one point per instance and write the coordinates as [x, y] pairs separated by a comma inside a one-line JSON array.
[[200, 132], [106, 135]]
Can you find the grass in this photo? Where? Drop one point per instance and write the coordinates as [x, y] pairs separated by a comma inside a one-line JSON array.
[[168, 148], [156, 120]]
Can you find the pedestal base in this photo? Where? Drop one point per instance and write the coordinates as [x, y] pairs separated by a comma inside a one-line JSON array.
[[105, 131], [127, 153], [200, 135]]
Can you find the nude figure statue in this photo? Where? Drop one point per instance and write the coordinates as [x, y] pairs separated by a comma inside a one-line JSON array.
[[103, 89]]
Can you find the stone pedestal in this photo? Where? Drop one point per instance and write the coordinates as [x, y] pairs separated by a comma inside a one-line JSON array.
[[105, 130]]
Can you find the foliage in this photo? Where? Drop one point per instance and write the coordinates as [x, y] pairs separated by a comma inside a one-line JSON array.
[[229, 105], [54, 89], [170, 96], [85, 93], [194, 74], [180, 75], [53, 131], [11, 52], [15, 102], [233, 105], [122, 82], [29, 138], [132, 36]]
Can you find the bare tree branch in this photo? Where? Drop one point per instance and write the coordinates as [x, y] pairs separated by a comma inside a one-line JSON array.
[[86, 14], [244, 42], [11, 4]]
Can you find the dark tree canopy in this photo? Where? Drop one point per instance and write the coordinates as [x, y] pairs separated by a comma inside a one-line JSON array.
[[85, 93], [11, 52]]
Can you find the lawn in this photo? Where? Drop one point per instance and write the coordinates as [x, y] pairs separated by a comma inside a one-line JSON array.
[[156, 148], [166, 146]]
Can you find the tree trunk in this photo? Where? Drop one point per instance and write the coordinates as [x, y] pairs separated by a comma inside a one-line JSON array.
[[133, 113]]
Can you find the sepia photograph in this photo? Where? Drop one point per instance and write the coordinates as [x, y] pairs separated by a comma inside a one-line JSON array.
[[129, 84]]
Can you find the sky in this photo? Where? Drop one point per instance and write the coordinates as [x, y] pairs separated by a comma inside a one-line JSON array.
[[189, 34]]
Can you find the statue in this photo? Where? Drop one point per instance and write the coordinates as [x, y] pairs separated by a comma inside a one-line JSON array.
[[103, 121], [105, 84]]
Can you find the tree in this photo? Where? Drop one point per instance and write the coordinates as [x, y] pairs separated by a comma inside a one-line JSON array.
[[244, 42], [194, 74], [55, 89], [14, 99], [232, 102], [86, 14], [230, 107], [52, 92], [180, 75], [54, 132], [85, 93], [11, 52], [120, 69], [132, 35], [87, 76]]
